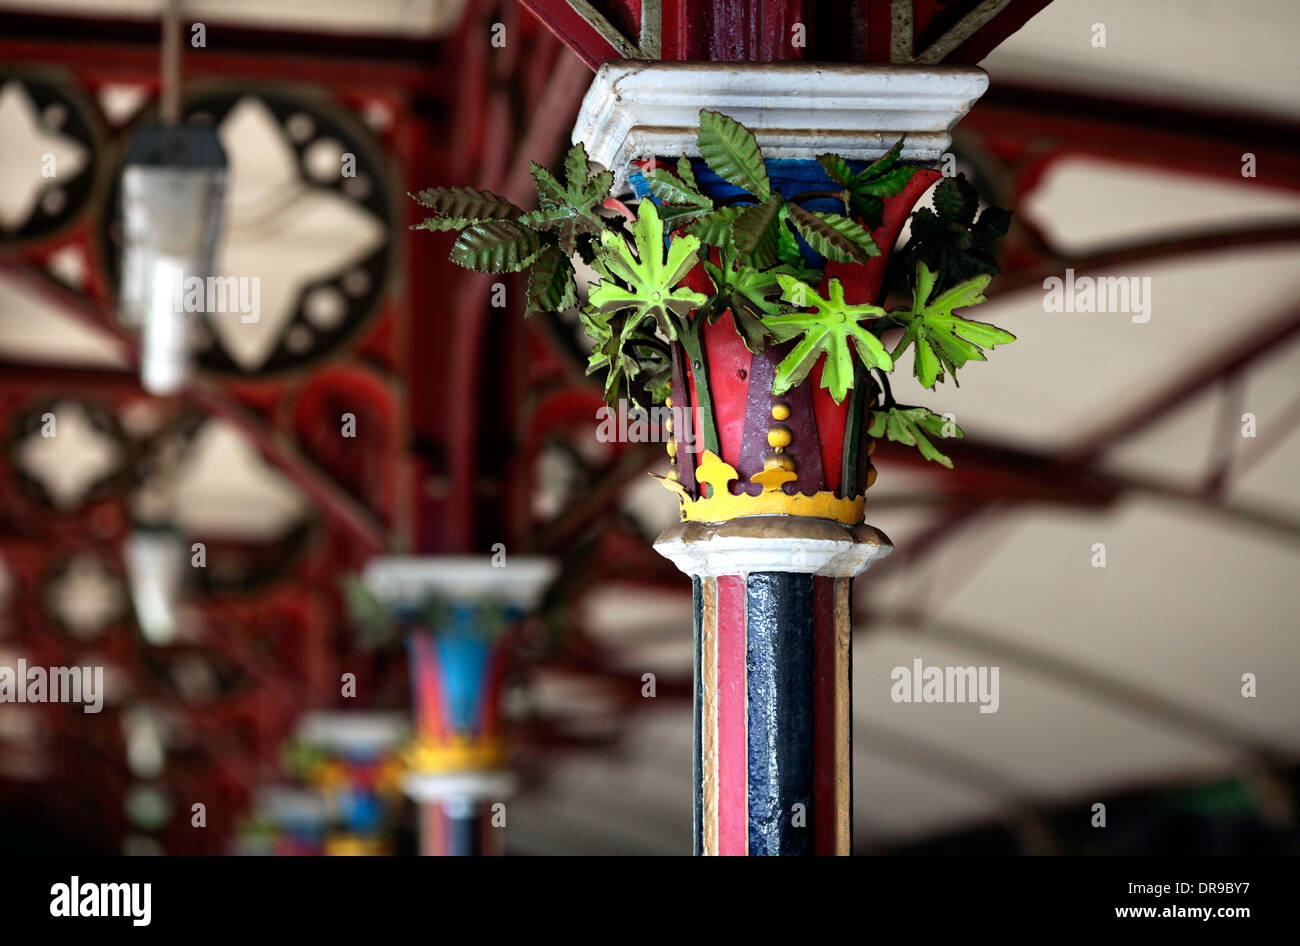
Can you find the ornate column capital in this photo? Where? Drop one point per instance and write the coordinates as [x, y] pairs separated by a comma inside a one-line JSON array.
[[636, 110]]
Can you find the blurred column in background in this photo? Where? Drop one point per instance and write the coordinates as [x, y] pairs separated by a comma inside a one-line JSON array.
[[351, 758], [457, 611]]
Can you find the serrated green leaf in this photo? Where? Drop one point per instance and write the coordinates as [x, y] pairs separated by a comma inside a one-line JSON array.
[[687, 173], [834, 236], [676, 216], [731, 152], [952, 243], [497, 246], [749, 294], [439, 224], [670, 189], [575, 167], [550, 283], [649, 276], [956, 198], [468, 203], [834, 329], [885, 163], [907, 425], [756, 232], [943, 341], [836, 168], [715, 228], [569, 210]]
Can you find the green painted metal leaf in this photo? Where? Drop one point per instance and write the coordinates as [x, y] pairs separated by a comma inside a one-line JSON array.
[[648, 277], [833, 329], [834, 236], [715, 228], [909, 425], [671, 189], [468, 203], [756, 232], [731, 152], [550, 283], [943, 341], [497, 246]]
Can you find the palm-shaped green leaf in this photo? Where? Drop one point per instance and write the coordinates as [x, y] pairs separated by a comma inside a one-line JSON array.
[[648, 278], [944, 342], [573, 207], [833, 329], [909, 425]]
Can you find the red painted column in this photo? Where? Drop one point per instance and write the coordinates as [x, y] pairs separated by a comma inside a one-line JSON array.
[[773, 532]]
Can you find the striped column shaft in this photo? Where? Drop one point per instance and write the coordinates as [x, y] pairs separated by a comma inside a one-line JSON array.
[[772, 723], [460, 829]]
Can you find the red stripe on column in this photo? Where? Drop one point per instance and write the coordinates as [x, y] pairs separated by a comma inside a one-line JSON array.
[[733, 769], [426, 671], [490, 710], [824, 695]]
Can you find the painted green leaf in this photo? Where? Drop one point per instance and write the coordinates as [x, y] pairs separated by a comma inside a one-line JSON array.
[[575, 167], [833, 329], [954, 243], [864, 191], [749, 294], [671, 189], [467, 202], [756, 232], [943, 341], [497, 246], [372, 618], [715, 228], [442, 224], [634, 363], [731, 152], [836, 168], [550, 283], [909, 425], [686, 172], [648, 278], [571, 208], [834, 236], [956, 199]]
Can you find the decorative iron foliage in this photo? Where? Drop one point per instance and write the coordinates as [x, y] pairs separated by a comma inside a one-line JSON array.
[[751, 247]]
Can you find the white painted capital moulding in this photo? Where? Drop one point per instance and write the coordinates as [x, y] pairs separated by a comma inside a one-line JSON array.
[[353, 732], [773, 544], [409, 579], [467, 786], [636, 109]]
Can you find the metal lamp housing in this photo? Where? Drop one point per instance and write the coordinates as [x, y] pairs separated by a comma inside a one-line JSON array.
[[173, 183]]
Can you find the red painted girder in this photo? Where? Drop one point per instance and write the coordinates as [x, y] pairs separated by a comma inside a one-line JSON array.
[[954, 31]]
